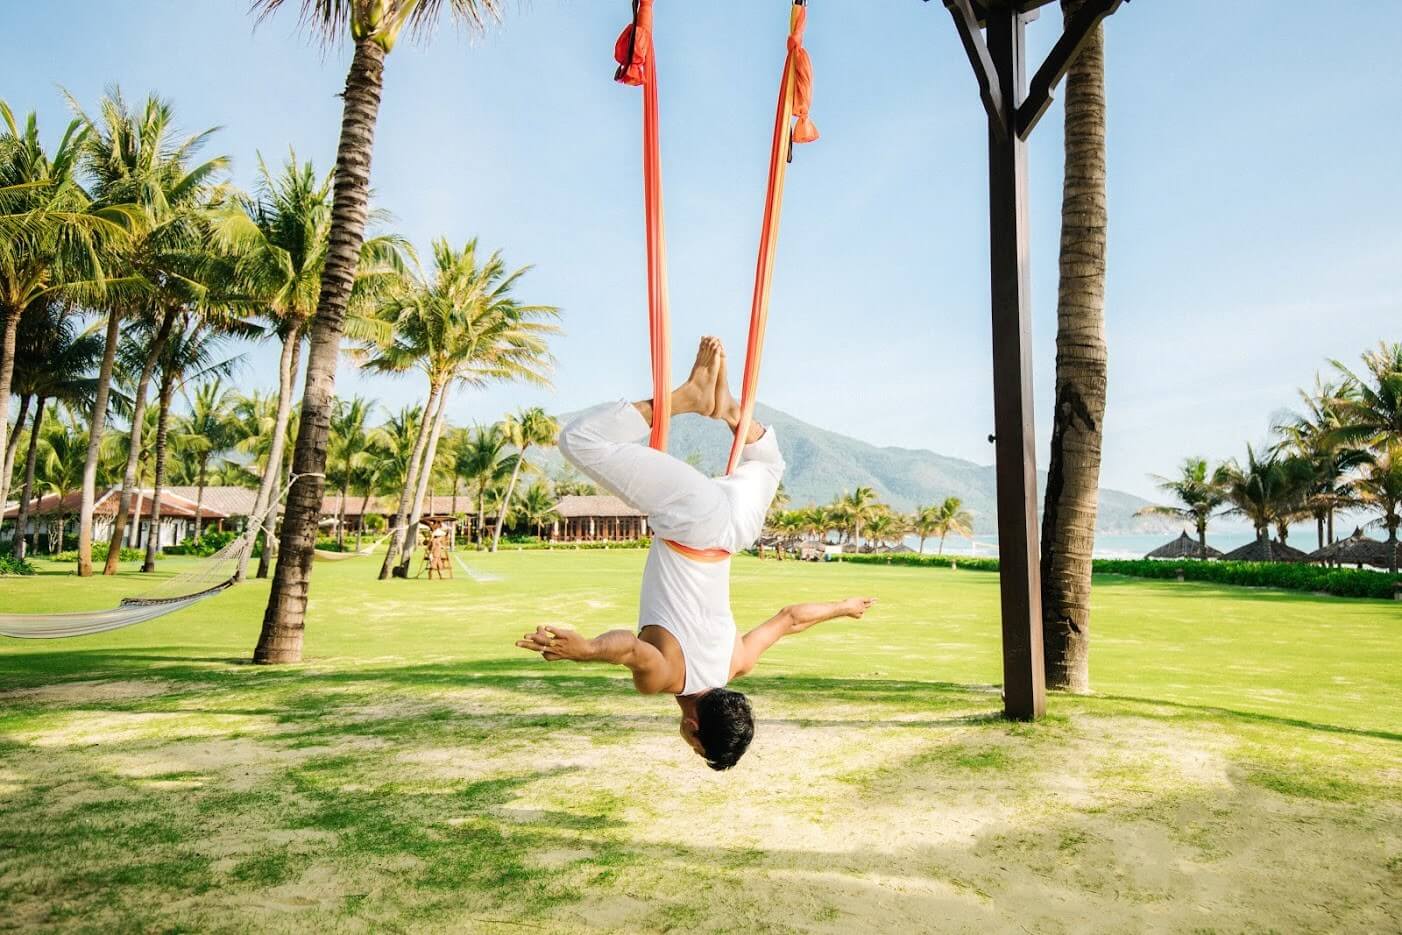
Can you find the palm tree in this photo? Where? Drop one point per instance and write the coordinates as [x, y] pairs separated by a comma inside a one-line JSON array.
[[1073, 470], [53, 240], [60, 467], [1267, 490], [538, 507], [53, 364], [1200, 493], [856, 509], [481, 462], [134, 158], [1315, 437], [1380, 488], [277, 243], [462, 326], [1371, 414], [207, 431], [348, 450], [950, 518], [189, 354], [530, 427], [884, 528], [374, 27]]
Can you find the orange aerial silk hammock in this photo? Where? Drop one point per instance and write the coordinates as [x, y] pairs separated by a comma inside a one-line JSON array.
[[637, 65]]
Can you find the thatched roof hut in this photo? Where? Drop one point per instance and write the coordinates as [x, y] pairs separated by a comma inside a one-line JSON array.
[[1259, 550], [1185, 546], [1357, 549]]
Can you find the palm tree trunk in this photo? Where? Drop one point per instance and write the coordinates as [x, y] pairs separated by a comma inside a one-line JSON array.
[[425, 473], [341, 515], [11, 449], [922, 545], [360, 526], [480, 526], [411, 482], [265, 559], [1332, 540], [95, 428], [138, 416], [1073, 472], [1202, 539], [7, 373], [506, 501], [941, 550], [27, 491], [162, 427], [199, 495], [284, 618], [287, 364]]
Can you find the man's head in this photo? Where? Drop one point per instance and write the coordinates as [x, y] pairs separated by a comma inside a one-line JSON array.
[[722, 727]]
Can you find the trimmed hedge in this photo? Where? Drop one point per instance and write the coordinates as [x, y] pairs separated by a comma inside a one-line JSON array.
[[209, 543], [538, 546], [1342, 582], [99, 554]]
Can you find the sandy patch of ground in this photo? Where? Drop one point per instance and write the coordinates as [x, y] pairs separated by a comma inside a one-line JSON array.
[[71, 694]]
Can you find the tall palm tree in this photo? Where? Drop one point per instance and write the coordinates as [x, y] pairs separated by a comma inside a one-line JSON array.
[[53, 239], [206, 432], [1073, 469], [1315, 437], [374, 26], [1267, 490], [1200, 492], [1380, 488], [135, 158], [59, 471], [348, 450], [460, 326], [538, 507], [942, 520], [482, 462], [278, 242], [191, 354], [857, 508], [54, 363], [1372, 413], [528, 428]]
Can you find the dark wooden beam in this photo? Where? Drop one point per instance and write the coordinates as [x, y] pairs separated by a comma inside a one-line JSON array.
[[989, 87], [1059, 61]]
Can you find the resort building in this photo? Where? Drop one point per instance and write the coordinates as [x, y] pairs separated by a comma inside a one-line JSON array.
[[51, 517], [596, 519]]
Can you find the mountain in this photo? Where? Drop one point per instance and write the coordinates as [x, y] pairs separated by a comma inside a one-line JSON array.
[[823, 464]]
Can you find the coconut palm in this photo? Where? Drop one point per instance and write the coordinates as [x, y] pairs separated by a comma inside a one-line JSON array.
[[54, 364], [537, 507], [856, 509], [205, 433], [373, 26], [54, 241], [480, 459], [1380, 488], [348, 451], [277, 242], [529, 427], [1073, 469], [949, 518], [191, 354], [134, 157], [59, 471], [1200, 492], [1315, 437], [1371, 414], [1267, 490], [462, 326]]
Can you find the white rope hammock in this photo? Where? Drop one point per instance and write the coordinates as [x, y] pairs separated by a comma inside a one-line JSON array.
[[206, 579], [326, 555]]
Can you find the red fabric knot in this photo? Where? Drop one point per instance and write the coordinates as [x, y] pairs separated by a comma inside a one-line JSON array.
[[803, 131], [633, 50]]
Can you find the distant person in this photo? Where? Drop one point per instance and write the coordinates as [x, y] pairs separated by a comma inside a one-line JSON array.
[[687, 643]]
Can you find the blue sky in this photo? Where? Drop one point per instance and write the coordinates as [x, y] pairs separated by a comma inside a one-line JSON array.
[[1254, 198]]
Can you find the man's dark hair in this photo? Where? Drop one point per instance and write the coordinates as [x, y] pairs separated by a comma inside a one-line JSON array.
[[725, 726]]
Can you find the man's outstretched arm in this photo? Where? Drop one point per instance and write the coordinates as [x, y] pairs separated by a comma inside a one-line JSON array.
[[794, 619], [616, 647]]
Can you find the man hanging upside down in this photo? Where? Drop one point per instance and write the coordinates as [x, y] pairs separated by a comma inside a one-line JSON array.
[[686, 642]]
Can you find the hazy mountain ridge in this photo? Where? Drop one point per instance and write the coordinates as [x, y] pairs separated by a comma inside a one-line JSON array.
[[823, 464]]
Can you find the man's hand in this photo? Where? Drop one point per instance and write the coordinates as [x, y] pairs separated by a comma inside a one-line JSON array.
[[554, 643]]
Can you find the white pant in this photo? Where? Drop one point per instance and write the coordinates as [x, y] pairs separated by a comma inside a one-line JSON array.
[[609, 444]]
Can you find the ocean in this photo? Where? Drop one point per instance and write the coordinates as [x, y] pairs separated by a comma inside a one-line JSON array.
[[1117, 545]]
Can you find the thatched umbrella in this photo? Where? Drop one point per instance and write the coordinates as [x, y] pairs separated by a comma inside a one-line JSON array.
[[1185, 546], [1357, 549], [1256, 551]]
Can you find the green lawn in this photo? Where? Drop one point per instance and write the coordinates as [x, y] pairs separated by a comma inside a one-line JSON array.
[[1239, 770]]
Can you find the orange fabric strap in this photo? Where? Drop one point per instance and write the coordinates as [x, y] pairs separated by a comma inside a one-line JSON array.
[[709, 556]]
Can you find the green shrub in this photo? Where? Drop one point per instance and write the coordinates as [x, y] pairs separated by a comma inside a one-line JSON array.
[[1342, 582], [99, 554], [9, 565], [536, 545], [209, 543], [331, 545]]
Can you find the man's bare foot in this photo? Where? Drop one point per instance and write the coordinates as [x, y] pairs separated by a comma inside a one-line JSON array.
[[698, 393], [725, 407], [854, 607]]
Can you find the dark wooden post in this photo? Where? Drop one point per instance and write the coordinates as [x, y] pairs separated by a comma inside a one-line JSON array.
[[1024, 688]]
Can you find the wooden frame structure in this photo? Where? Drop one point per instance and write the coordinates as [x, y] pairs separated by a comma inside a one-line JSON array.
[[993, 33]]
